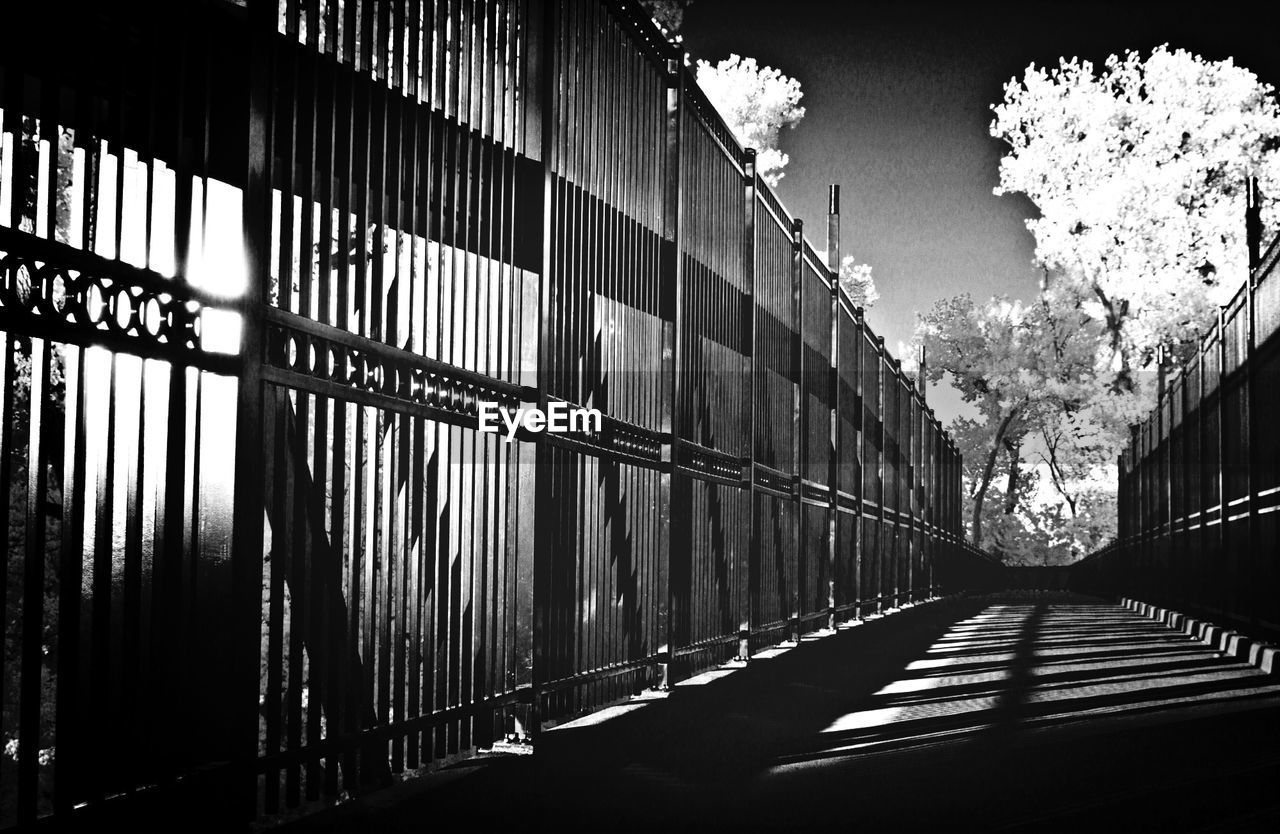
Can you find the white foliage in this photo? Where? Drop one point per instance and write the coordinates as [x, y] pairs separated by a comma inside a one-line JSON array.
[[756, 103], [857, 283]]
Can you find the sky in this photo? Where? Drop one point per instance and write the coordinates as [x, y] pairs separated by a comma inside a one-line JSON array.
[[898, 99]]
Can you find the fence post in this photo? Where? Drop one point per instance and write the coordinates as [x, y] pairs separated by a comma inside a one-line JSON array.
[[893, 380], [1122, 501], [1202, 471], [1163, 522], [931, 514], [798, 422], [1178, 558], [748, 563], [542, 87], [1139, 507], [247, 539], [1222, 456], [954, 476], [1253, 241], [913, 470], [902, 575], [1141, 500], [953, 512], [922, 460], [860, 345], [882, 536], [906, 494], [833, 395], [954, 539], [1151, 434], [671, 302]]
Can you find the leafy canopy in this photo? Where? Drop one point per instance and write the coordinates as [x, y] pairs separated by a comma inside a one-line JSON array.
[[1138, 172], [756, 103]]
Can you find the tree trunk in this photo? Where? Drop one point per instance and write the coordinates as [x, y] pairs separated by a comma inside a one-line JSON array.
[[1011, 493], [1115, 315], [980, 496]]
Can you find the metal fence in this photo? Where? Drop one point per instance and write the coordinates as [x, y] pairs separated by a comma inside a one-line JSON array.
[[259, 265], [1200, 482]]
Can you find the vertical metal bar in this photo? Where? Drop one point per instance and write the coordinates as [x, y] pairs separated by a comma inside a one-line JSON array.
[[342, 670], [290, 443], [158, 621], [69, 738], [324, 575], [132, 598], [282, 535], [248, 501], [100, 652], [170, 613], [33, 584]]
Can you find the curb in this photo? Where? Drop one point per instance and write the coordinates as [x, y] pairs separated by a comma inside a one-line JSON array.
[[1256, 653]]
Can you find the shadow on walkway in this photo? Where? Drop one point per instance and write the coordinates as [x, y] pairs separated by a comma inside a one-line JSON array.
[[1057, 713]]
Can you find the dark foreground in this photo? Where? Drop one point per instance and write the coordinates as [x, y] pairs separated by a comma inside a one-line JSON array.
[[1033, 713]]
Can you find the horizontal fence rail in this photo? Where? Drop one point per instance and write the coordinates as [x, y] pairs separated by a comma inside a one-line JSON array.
[[260, 269], [1199, 494]]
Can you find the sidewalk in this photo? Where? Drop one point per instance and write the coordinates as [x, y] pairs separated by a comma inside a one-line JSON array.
[[996, 713]]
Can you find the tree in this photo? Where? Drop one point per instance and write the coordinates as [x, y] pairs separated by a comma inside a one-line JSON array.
[[1137, 172], [1048, 424], [857, 283], [668, 14], [986, 351], [756, 103]]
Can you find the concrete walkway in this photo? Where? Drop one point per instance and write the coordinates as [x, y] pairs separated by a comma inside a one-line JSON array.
[[1033, 713]]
